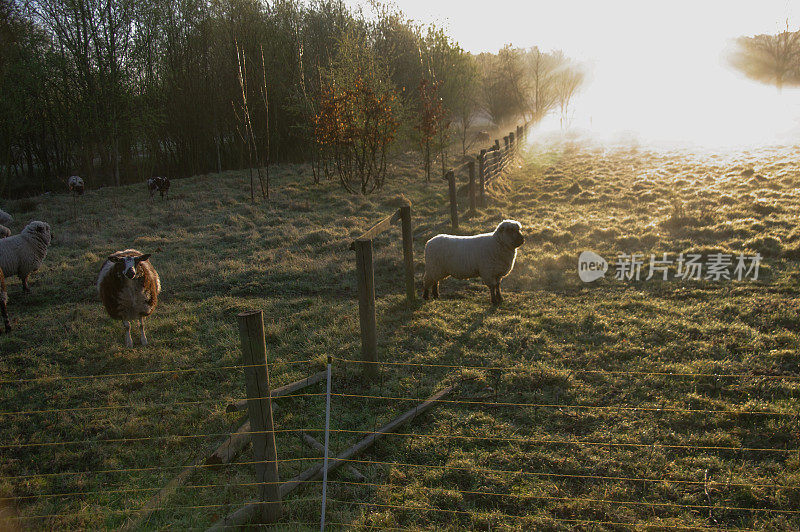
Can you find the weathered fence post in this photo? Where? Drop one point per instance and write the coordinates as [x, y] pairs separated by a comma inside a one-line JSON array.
[[498, 162], [450, 176], [505, 144], [259, 407], [408, 252], [482, 176], [497, 144], [471, 167], [366, 305], [519, 134], [512, 143]]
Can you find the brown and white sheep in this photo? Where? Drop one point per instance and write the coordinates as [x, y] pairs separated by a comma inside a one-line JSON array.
[[129, 287], [489, 256], [160, 184]]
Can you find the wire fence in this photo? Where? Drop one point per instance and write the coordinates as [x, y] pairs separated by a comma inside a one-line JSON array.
[[476, 489]]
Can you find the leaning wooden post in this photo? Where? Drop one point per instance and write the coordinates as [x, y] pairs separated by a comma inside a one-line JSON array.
[[497, 144], [511, 142], [451, 182], [408, 252], [259, 406], [366, 305], [471, 167], [505, 144], [482, 176]]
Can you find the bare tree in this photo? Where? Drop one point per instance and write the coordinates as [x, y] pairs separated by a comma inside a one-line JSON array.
[[567, 83], [773, 59]]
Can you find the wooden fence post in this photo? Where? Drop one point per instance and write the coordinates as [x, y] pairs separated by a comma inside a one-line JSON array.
[[259, 406], [471, 167], [366, 305], [451, 182], [497, 144], [511, 142], [482, 176], [408, 252], [505, 144]]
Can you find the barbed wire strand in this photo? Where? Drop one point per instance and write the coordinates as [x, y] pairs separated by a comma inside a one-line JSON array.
[[520, 517], [149, 373], [587, 407], [567, 475], [581, 499], [572, 370], [572, 442]]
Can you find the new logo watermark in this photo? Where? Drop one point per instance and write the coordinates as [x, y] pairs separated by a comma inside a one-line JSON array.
[[591, 266], [690, 266]]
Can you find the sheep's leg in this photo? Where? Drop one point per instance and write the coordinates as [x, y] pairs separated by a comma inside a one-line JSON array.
[[435, 290], [427, 285], [128, 340], [492, 294], [4, 312], [25, 288], [499, 295], [142, 336]]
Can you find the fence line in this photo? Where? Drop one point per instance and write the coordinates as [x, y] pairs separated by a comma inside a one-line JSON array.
[[142, 469], [576, 442], [495, 514], [587, 407], [148, 373], [137, 510], [140, 439], [572, 370], [576, 499], [499, 158], [567, 475]]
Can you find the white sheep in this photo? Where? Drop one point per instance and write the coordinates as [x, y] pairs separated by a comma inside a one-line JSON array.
[[129, 286], [4, 231], [75, 184], [4, 302], [24, 253], [5, 218], [489, 256]]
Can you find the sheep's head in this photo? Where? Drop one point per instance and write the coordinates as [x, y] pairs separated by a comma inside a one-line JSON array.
[[40, 230], [508, 232], [129, 264]]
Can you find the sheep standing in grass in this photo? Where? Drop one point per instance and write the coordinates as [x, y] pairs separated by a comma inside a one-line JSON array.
[[24, 253], [160, 184], [4, 231], [4, 302], [75, 185], [489, 256], [129, 287]]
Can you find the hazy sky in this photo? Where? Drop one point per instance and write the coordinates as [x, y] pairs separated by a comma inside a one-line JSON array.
[[656, 67]]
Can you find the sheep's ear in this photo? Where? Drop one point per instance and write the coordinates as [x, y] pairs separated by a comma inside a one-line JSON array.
[[142, 258], [114, 259]]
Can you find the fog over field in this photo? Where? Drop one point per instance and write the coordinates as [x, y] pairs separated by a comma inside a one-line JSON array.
[[657, 69]]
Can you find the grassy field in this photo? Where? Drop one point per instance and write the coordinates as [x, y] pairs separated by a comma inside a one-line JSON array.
[[614, 367]]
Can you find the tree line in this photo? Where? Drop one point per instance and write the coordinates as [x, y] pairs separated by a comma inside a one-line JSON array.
[[120, 90]]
